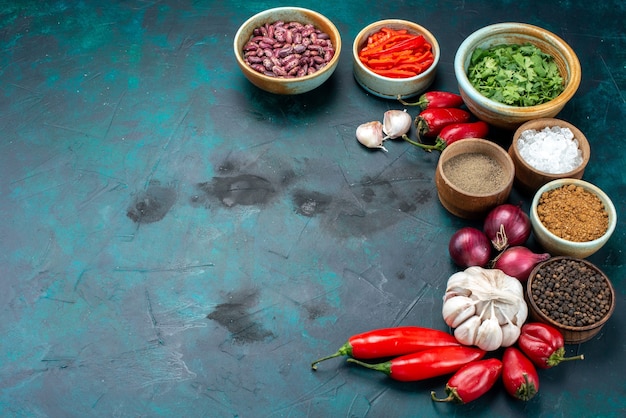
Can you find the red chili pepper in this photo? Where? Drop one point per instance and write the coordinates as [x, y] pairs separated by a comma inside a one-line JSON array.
[[391, 342], [426, 364], [471, 381], [519, 374], [436, 99], [430, 122], [455, 132], [544, 345]]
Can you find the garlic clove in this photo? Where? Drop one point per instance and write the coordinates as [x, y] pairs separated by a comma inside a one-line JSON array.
[[510, 334], [466, 332], [489, 335], [458, 309], [396, 123], [370, 134]]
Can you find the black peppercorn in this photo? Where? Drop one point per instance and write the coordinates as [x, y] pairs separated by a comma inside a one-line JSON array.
[[570, 293]]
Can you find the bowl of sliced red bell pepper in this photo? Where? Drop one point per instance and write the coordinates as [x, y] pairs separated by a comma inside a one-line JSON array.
[[395, 58]]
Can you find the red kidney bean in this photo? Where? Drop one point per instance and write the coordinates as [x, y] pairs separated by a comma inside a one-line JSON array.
[[288, 49]]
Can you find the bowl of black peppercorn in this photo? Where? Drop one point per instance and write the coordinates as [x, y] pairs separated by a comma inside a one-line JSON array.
[[571, 294]]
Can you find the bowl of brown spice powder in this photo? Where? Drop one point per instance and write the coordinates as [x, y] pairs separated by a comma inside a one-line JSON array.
[[473, 176], [572, 295], [572, 217]]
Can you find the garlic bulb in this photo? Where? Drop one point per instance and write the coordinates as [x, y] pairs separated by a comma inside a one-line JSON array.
[[396, 123], [370, 134], [485, 306]]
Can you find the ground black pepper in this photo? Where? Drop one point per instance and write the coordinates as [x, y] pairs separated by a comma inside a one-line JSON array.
[[571, 292], [475, 173]]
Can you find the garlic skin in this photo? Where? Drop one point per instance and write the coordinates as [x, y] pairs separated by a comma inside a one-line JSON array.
[[396, 123], [486, 308], [370, 134]]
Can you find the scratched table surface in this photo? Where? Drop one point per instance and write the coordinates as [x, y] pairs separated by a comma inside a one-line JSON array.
[[176, 242]]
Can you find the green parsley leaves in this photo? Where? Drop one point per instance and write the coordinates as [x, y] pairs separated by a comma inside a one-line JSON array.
[[516, 75]]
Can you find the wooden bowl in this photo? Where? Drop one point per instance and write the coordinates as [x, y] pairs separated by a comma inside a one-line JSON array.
[[386, 87], [571, 334], [287, 86], [556, 245], [511, 117], [466, 204], [529, 179]]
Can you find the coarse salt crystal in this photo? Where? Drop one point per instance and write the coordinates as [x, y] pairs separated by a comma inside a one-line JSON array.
[[552, 150]]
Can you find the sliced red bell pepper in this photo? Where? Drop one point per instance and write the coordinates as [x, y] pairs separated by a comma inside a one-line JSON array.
[[393, 73], [397, 53], [412, 42]]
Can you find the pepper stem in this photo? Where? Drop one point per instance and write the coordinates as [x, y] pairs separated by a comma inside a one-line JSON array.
[[420, 103], [452, 397], [380, 367], [526, 390], [344, 350], [437, 147], [581, 357], [559, 356]]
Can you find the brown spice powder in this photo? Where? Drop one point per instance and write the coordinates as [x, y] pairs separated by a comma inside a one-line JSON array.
[[475, 173], [573, 213]]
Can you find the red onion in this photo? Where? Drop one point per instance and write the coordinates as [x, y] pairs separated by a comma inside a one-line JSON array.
[[469, 247], [518, 262], [507, 225]]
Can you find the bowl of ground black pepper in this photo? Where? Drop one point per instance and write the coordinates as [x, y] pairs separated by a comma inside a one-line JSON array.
[[572, 217], [571, 294], [548, 149], [473, 176]]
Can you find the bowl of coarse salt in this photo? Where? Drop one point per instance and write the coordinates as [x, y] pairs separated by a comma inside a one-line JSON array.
[[547, 149]]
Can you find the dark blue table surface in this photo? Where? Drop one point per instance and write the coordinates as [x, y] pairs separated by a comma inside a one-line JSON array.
[[176, 242]]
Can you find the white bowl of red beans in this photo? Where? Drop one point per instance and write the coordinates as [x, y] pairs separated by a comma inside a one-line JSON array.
[[287, 50], [395, 58], [572, 217]]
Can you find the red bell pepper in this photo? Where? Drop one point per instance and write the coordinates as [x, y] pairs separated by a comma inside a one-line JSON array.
[[426, 364], [544, 345], [391, 342], [436, 99], [471, 381], [519, 374]]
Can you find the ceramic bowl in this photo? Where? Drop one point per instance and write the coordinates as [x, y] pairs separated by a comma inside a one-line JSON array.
[[530, 179], [537, 281], [473, 204], [511, 117], [287, 86], [392, 88], [556, 245]]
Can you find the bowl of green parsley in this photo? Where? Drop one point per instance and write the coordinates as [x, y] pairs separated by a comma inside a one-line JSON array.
[[510, 73]]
